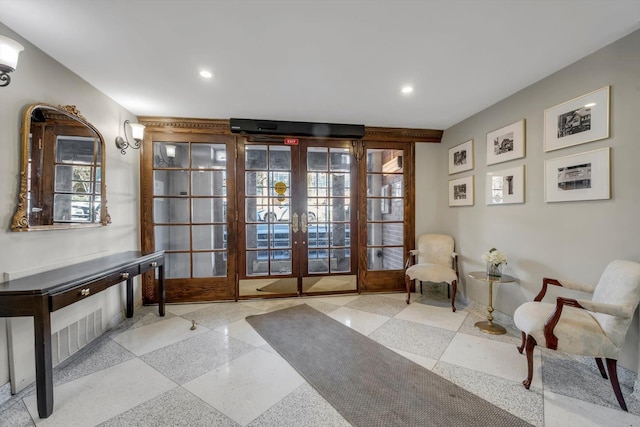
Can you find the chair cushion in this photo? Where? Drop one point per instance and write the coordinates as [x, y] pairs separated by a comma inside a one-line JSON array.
[[577, 330], [431, 273]]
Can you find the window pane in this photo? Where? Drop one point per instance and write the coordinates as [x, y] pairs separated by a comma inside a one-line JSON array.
[[209, 210], [280, 236], [75, 149], [209, 237], [178, 265], [384, 259], [340, 260], [74, 179], [172, 237], [208, 183], [209, 264], [386, 234], [317, 159], [257, 263], [255, 157], [385, 209], [170, 155], [208, 156], [318, 261], [340, 159], [170, 183], [170, 210], [340, 235], [280, 262], [279, 158]]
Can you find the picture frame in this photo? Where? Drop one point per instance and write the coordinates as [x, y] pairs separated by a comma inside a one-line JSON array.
[[461, 157], [505, 186], [461, 191], [580, 120], [506, 143], [584, 176]]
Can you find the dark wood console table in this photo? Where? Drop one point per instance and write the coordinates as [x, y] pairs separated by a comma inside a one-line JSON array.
[[41, 294]]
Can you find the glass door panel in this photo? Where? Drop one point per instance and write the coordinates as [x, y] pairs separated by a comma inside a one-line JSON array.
[[189, 214], [386, 216], [267, 234], [297, 219]]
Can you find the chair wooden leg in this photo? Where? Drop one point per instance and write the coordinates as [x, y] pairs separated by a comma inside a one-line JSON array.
[[524, 336], [407, 282], [613, 376], [530, 345], [601, 367], [454, 286]]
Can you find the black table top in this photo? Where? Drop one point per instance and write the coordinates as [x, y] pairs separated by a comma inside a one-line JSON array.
[[59, 279]]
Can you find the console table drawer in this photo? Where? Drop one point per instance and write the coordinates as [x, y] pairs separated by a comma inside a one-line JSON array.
[[87, 289], [151, 265]]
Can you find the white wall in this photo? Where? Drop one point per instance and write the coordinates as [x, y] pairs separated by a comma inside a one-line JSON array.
[[573, 240], [41, 79]]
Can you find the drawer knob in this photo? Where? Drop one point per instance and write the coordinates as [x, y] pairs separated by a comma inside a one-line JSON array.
[[154, 264], [85, 292], [125, 275]]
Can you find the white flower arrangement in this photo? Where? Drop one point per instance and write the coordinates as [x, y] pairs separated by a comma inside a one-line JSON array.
[[494, 256]]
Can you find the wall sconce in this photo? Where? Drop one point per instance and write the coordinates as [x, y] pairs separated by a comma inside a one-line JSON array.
[[137, 132], [9, 51]]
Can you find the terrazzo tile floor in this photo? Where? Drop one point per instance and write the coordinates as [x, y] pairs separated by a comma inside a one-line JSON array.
[[153, 371]]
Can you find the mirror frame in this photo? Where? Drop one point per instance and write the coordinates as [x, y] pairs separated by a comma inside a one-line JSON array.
[[21, 217]]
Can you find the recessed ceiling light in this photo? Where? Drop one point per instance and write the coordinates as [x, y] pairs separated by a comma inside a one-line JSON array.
[[407, 89], [206, 74], [593, 104]]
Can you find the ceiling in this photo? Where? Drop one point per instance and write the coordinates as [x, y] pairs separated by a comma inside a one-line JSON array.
[[323, 61]]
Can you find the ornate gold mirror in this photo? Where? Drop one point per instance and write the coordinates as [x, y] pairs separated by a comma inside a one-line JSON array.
[[62, 171]]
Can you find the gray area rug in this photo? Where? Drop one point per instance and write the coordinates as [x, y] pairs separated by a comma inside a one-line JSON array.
[[368, 384]]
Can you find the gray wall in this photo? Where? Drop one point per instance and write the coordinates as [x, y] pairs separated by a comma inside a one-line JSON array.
[[41, 79], [572, 240]]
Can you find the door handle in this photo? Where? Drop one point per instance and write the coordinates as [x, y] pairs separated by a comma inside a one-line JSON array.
[[303, 222], [294, 223]]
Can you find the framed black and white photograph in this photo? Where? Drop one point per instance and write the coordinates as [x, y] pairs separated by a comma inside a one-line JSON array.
[[461, 157], [580, 120], [505, 186], [583, 176], [461, 191], [506, 143]]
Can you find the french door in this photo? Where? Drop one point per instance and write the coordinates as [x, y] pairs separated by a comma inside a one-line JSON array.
[[188, 210], [247, 217], [297, 227]]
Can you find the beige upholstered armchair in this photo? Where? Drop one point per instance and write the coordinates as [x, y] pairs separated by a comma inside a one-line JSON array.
[[436, 263], [595, 327]]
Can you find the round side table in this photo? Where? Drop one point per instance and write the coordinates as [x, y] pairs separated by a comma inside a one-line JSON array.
[[489, 326]]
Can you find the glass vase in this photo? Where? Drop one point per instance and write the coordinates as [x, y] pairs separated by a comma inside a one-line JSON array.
[[494, 270]]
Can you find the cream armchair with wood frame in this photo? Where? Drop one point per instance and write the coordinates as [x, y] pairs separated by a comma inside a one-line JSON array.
[[436, 262], [595, 328]]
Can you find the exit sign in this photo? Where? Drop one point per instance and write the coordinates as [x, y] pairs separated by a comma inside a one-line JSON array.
[[291, 141]]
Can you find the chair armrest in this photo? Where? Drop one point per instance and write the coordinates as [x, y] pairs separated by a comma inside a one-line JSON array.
[[622, 311], [411, 259], [552, 321], [564, 284]]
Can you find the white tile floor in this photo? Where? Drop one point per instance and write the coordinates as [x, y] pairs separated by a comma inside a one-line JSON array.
[[152, 371]]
